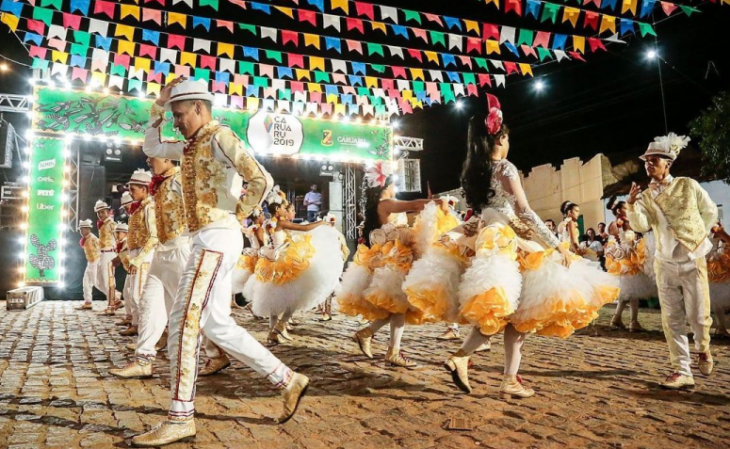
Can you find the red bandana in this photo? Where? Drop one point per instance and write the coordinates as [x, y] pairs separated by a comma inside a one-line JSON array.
[[155, 184], [134, 206]]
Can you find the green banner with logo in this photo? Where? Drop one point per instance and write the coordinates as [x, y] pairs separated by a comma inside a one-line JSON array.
[[99, 116], [45, 202]]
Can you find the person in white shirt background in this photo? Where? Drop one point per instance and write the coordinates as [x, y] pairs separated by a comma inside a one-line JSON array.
[[313, 203]]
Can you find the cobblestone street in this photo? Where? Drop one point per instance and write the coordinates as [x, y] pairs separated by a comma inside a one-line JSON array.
[[592, 392]]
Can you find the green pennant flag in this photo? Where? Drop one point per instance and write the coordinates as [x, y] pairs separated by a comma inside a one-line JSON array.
[[275, 55], [261, 81], [202, 74], [646, 28], [246, 27], [549, 11], [448, 96], [377, 101], [245, 68], [321, 77], [285, 94], [468, 78], [412, 15], [211, 3], [44, 15], [79, 49], [544, 53], [525, 37], [437, 38], [134, 84], [363, 91], [378, 68], [688, 10], [58, 4], [481, 63], [375, 49], [419, 86], [380, 109], [118, 70], [39, 63], [82, 37]]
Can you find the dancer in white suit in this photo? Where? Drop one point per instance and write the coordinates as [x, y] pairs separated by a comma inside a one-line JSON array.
[[90, 243], [108, 249]]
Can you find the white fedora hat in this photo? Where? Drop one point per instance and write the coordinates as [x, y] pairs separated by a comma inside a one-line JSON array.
[[190, 90], [100, 205], [126, 198], [84, 224], [122, 227], [140, 177]]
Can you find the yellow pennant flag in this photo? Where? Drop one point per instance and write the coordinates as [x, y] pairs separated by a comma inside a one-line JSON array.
[[407, 94], [629, 5], [332, 98], [225, 49], [59, 56], [142, 63], [608, 23], [188, 59], [311, 39], [125, 31], [129, 10], [496, 2], [303, 75], [371, 81], [526, 69], [432, 56], [379, 26], [100, 78], [126, 47], [170, 77], [340, 109], [153, 89], [174, 17], [312, 87], [342, 4], [252, 104], [316, 63], [288, 11], [417, 74], [579, 44], [571, 15], [472, 26], [235, 89], [493, 47], [10, 20]]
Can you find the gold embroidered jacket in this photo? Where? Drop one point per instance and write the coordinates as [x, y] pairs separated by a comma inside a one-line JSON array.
[[91, 248], [107, 240], [215, 162], [124, 255], [142, 231], [169, 207]]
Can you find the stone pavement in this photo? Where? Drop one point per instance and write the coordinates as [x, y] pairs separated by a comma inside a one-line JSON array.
[[593, 392]]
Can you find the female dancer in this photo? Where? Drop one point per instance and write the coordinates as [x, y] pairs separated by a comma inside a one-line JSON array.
[[247, 261], [718, 272], [568, 228], [371, 286], [626, 255], [296, 271], [516, 284]]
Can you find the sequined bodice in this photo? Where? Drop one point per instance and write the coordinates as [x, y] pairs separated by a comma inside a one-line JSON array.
[[503, 201]]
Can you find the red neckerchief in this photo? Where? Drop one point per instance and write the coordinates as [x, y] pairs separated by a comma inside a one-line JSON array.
[[100, 223], [82, 241], [469, 214], [155, 183], [134, 206], [120, 245]]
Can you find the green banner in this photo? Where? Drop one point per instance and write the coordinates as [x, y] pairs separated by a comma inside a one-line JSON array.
[[45, 202], [97, 116]]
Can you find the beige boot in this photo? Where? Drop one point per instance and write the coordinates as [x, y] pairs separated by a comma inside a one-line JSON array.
[[677, 381], [293, 394], [166, 432], [129, 332], [395, 358], [162, 342], [212, 366], [458, 366], [282, 331], [136, 369], [450, 334], [512, 388], [705, 363], [364, 339], [86, 306]]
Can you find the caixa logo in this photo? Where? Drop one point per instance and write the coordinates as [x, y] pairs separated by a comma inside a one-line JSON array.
[[46, 179], [45, 165]]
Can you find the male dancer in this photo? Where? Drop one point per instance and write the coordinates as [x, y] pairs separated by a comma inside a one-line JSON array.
[[214, 164], [108, 246], [682, 214], [141, 242], [90, 243], [123, 259]]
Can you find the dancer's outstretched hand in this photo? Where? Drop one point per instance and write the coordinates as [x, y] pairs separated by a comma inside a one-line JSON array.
[[166, 91], [634, 193]]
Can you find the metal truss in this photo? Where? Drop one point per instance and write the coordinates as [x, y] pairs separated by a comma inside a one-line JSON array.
[[74, 174], [350, 197], [402, 143], [14, 103]]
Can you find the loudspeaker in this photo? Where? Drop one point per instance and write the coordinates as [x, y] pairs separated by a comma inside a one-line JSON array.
[[92, 187], [7, 144]]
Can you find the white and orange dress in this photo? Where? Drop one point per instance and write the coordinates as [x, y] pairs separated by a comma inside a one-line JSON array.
[[718, 275], [247, 260], [628, 258]]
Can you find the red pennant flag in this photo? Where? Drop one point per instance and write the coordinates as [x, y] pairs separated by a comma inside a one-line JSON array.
[[219, 87], [514, 5], [365, 9], [434, 18], [668, 8], [529, 51], [148, 50], [399, 71], [415, 54], [37, 52], [289, 36], [354, 46], [465, 60], [490, 31], [154, 15], [295, 60], [542, 39], [421, 33], [591, 20], [405, 106], [296, 86], [511, 67], [161, 2], [239, 3], [355, 24], [308, 16], [102, 7], [576, 55], [596, 44], [122, 60], [79, 74], [471, 89], [474, 43], [596, 2], [485, 80], [225, 24], [176, 40], [71, 21], [154, 77], [316, 97], [207, 62], [37, 26], [387, 84]]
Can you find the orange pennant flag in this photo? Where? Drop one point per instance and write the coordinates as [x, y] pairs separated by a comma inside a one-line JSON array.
[[379, 26], [311, 39], [417, 74], [493, 47], [608, 23], [174, 17], [526, 69], [129, 10], [472, 26], [225, 49], [571, 15], [579, 44], [629, 5], [342, 4], [496, 2], [316, 63], [288, 11], [432, 56]]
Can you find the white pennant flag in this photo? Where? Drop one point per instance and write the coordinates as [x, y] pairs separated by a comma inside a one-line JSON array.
[[379, 93], [100, 55], [459, 90], [339, 66], [404, 85], [135, 74], [436, 75], [168, 55], [298, 108], [300, 96], [455, 41], [615, 39], [116, 81], [201, 44], [508, 35], [396, 51], [560, 54], [497, 64], [331, 21], [311, 108], [269, 33], [187, 2], [59, 69], [500, 80], [278, 84], [98, 27], [389, 12], [221, 100], [368, 109], [283, 105], [361, 99], [57, 31], [227, 65]]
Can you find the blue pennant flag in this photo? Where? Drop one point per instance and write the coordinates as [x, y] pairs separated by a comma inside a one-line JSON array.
[[347, 98], [448, 59], [260, 7], [201, 21], [358, 67], [103, 42], [452, 22], [285, 72], [319, 4], [511, 47], [80, 5], [400, 30], [32, 37], [355, 80], [333, 43], [252, 91], [162, 67], [223, 77], [647, 6], [626, 26], [150, 36], [606, 4], [453, 76], [78, 61], [249, 52], [353, 109], [421, 96], [533, 8], [330, 89], [559, 41], [12, 7]]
